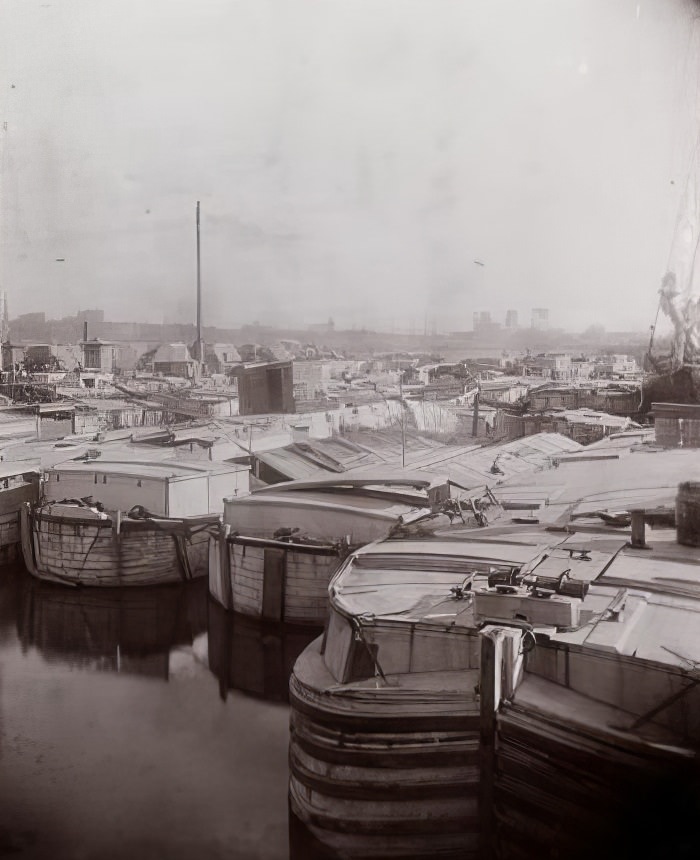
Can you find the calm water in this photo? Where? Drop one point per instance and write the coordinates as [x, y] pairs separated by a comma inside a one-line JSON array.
[[142, 723]]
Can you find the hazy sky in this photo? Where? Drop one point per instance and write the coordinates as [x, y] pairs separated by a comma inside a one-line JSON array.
[[353, 157]]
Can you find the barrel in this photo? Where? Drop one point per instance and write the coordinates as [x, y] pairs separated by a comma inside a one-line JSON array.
[[667, 431], [688, 513]]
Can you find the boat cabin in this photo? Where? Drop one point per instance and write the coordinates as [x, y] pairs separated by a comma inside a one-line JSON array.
[[164, 489], [19, 482], [358, 510]]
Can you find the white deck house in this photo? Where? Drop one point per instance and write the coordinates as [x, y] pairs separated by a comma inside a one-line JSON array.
[[164, 489]]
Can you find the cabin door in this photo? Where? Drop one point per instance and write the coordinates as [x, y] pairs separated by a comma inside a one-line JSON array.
[[273, 585]]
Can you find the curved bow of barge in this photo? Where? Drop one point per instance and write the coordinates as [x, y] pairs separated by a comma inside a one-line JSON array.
[[390, 772], [118, 523], [496, 697], [385, 707], [77, 546]]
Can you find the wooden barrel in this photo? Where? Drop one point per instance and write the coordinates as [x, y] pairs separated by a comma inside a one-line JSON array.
[[667, 431], [688, 513]]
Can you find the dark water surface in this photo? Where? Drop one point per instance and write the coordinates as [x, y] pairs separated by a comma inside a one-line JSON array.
[[141, 723]]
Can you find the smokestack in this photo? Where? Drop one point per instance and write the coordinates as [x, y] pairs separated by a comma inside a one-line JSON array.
[[85, 330]]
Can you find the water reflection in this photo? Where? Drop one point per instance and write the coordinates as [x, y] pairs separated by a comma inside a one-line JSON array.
[[252, 656], [101, 758], [257, 658], [11, 579], [124, 630], [83, 710]]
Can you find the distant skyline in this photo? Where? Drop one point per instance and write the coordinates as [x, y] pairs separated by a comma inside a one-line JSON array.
[[315, 327], [374, 161]]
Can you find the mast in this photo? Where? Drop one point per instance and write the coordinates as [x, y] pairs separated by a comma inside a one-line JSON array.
[[403, 419], [198, 347]]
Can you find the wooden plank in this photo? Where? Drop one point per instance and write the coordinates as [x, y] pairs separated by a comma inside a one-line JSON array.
[[489, 693], [274, 585]]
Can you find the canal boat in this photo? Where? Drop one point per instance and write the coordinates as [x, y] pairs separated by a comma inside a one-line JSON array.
[[500, 693], [19, 483], [280, 545], [384, 744], [126, 523], [590, 741]]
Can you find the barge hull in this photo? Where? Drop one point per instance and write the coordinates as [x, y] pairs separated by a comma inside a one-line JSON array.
[[398, 777], [94, 552]]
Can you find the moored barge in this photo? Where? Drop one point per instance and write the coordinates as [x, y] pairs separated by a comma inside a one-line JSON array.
[[515, 693], [125, 523], [281, 544], [384, 749]]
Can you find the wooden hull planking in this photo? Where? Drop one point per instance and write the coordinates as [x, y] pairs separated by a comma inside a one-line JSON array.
[[393, 775], [94, 552], [549, 771], [11, 500], [9, 537], [271, 581]]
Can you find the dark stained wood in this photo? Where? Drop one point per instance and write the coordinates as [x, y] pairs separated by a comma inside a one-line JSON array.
[[274, 574]]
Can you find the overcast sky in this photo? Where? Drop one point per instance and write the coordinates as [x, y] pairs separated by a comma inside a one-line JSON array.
[[353, 157]]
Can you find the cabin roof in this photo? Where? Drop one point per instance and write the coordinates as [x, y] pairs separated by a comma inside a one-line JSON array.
[[386, 444], [631, 476], [473, 467], [466, 543], [48, 408], [310, 457], [411, 581], [376, 479], [353, 503], [19, 467], [172, 352], [146, 469], [290, 463], [665, 566]]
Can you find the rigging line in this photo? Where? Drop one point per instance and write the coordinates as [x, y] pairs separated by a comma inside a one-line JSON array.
[[682, 205], [682, 73], [697, 200]]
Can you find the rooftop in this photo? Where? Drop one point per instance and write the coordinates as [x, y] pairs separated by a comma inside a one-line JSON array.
[[163, 470]]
